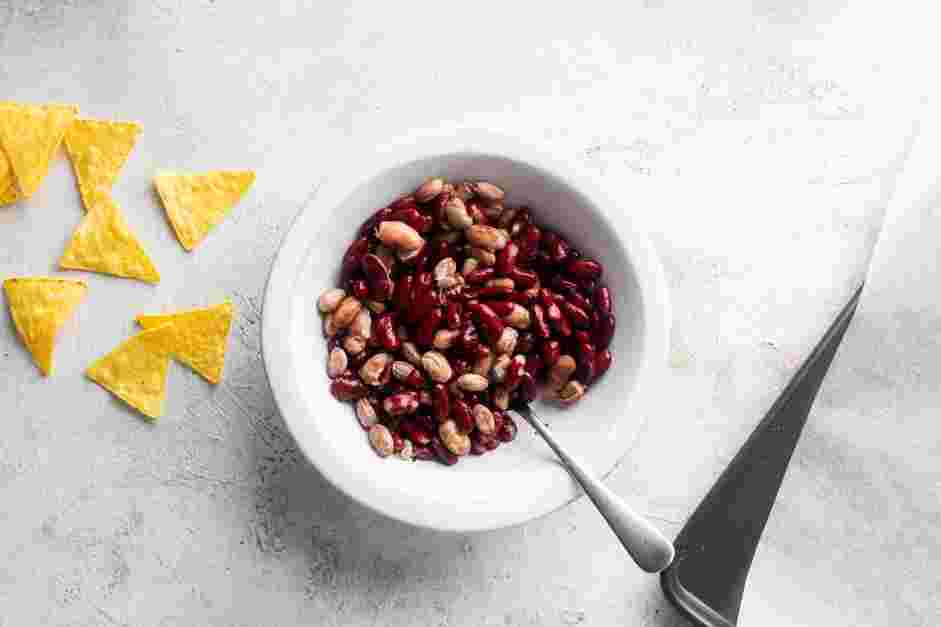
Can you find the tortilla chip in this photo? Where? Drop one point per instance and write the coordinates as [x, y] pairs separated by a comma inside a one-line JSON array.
[[98, 150], [8, 191], [195, 203], [30, 135], [136, 371], [39, 306], [104, 243], [201, 335]]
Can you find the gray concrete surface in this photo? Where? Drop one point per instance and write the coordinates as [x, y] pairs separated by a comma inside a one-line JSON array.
[[765, 137]]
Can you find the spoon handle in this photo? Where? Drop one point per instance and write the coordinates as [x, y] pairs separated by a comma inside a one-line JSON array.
[[645, 543]]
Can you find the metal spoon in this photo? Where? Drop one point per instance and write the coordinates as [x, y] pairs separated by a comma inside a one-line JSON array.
[[645, 543]]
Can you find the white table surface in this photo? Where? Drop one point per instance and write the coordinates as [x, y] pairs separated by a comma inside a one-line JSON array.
[[762, 139]]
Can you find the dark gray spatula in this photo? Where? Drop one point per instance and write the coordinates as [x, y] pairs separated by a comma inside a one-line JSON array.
[[715, 549]]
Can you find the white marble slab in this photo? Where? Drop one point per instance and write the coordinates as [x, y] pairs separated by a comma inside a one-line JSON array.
[[761, 138]]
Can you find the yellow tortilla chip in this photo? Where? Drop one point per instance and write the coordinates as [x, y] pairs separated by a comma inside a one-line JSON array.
[[197, 202], [104, 243], [136, 371], [39, 306], [30, 136], [98, 150], [201, 335], [8, 190]]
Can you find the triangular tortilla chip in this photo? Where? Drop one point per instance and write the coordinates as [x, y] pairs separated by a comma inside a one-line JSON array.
[[197, 202], [201, 335], [98, 150], [8, 191], [30, 136], [136, 371], [39, 306], [104, 243]]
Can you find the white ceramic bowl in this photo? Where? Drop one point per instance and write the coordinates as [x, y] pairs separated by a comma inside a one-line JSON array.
[[521, 480]]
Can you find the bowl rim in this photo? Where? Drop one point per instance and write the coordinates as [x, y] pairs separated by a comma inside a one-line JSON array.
[[426, 144]]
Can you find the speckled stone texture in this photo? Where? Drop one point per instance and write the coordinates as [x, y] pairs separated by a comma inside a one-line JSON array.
[[761, 140]]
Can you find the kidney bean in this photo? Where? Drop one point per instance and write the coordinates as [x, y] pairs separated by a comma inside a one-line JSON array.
[[415, 432], [576, 315], [487, 317], [514, 373], [540, 327], [384, 331], [523, 279], [501, 307], [523, 298], [428, 326], [584, 269], [525, 342], [579, 301], [462, 416], [412, 217], [551, 351], [441, 401], [495, 291], [507, 432], [347, 388], [563, 285], [506, 259], [357, 360], [529, 241], [477, 215], [602, 300], [604, 330], [401, 403], [603, 359], [445, 456], [358, 288], [459, 366], [424, 453], [586, 363], [453, 316], [528, 390], [535, 366], [469, 339], [542, 264], [481, 275], [378, 278], [366, 229], [354, 255], [422, 297], [402, 294]]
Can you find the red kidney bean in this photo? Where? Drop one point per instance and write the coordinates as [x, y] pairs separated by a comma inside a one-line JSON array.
[[469, 294], [557, 248], [482, 443], [576, 315], [366, 229], [424, 453], [494, 291], [506, 258], [584, 269], [481, 275], [421, 301], [563, 285], [498, 419], [469, 339], [356, 361], [487, 317], [412, 217], [347, 388], [422, 260], [445, 456], [523, 279], [427, 327], [402, 296], [525, 342], [604, 330], [401, 403], [585, 359], [384, 330], [540, 327], [459, 366], [507, 432], [476, 214], [602, 300], [359, 288], [403, 202], [529, 242], [514, 373], [453, 317], [500, 307], [397, 442], [542, 264], [582, 337], [522, 298], [551, 351], [441, 401], [415, 432], [528, 390], [377, 275], [462, 416], [603, 359], [579, 301], [354, 255], [535, 365]]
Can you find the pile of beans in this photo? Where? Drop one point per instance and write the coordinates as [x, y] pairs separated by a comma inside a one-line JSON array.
[[452, 307]]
